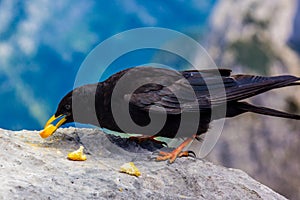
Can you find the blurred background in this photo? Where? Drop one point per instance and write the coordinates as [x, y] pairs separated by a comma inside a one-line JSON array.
[[42, 45]]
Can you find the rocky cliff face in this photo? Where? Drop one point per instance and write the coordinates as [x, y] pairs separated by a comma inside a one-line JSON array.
[[251, 37], [33, 168]]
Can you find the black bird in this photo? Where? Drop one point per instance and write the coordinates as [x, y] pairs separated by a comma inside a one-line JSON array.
[[162, 92]]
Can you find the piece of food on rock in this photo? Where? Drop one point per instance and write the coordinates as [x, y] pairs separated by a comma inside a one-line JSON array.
[[130, 168], [77, 155]]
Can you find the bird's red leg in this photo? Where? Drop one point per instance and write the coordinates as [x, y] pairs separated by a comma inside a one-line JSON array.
[[171, 156], [140, 139]]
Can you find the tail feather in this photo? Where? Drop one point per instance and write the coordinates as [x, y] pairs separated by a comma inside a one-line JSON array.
[[248, 86], [293, 84], [246, 107]]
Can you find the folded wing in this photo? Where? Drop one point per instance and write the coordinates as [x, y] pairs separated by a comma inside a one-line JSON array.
[[193, 90]]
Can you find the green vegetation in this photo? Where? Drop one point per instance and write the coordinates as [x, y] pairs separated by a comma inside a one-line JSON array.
[[253, 53]]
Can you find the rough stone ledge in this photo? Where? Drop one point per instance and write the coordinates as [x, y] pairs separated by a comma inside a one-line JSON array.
[[34, 168]]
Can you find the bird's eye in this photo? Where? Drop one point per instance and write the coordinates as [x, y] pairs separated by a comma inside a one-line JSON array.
[[67, 107]]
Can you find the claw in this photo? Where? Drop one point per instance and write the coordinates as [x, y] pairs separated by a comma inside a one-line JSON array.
[[187, 154], [192, 154]]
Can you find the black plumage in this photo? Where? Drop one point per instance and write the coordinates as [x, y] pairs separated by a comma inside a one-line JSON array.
[[169, 92]]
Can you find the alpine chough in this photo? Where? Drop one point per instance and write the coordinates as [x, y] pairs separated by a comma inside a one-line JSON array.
[[165, 92]]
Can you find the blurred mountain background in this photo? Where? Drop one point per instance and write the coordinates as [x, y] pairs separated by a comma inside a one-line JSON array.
[[42, 45], [261, 37]]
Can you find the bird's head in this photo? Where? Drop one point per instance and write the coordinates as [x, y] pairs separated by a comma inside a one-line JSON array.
[[79, 102], [63, 114]]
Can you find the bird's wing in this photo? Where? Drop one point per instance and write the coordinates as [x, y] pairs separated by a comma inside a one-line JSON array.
[[178, 91], [193, 90]]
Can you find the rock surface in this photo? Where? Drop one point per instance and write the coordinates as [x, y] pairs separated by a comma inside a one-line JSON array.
[[33, 168]]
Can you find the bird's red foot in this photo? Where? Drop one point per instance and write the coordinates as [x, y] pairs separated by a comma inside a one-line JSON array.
[[171, 156], [176, 153]]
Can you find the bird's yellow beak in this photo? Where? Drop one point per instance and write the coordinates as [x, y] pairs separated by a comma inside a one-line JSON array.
[[49, 128]]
